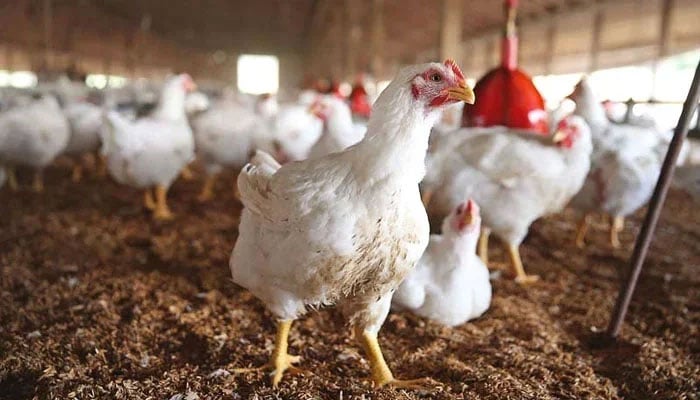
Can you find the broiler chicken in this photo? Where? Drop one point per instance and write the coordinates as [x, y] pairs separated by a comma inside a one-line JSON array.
[[516, 177], [339, 132], [346, 228], [150, 152], [625, 165], [32, 136], [225, 136], [450, 284], [293, 132], [85, 122]]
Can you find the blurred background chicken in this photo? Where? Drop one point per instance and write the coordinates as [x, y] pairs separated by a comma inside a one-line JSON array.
[[226, 135], [33, 136], [339, 131], [625, 165], [149, 153]]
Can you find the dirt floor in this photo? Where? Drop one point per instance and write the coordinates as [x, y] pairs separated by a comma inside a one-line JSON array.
[[98, 301]]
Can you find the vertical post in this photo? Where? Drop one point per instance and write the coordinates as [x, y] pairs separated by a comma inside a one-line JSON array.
[[664, 39], [657, 200], [377, 39], [551, 35], [48, 21], [351, 39], [451, 29], [595, 40]]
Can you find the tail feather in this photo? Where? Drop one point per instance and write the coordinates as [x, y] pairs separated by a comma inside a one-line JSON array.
[[113, 131], [254, 182]]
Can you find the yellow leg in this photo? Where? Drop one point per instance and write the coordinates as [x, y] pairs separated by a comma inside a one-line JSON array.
[[484, 244], [426, 196], [381, 374], [148, 201], [517, 265], [77, 174], [186, 173], [616, 225], [11, 178], [162, 211], [100, 165], [581, 231], [38, 184], [281, 360], [208, 188], [236, 192]]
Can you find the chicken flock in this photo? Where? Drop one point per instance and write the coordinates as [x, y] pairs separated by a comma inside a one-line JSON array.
[[338, 202]]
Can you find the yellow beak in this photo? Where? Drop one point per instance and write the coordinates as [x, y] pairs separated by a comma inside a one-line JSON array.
[[559, 136], [468, 218], [462, 93], [315, 108]]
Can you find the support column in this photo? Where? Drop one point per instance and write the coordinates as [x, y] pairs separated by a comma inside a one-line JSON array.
[[377, 40], [595, 40], [451, 29], [352, 39], [551, 35], [664, 39]]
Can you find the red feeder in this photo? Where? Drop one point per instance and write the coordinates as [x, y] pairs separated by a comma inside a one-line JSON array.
[[359, 101], [506, 95]]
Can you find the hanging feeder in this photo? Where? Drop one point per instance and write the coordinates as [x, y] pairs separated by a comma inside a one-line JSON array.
[[507, 95]]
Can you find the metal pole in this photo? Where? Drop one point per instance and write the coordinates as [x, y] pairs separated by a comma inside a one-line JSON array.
[[657, 200]]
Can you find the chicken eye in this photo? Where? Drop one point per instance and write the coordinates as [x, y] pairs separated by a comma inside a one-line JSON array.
[[436, 77]]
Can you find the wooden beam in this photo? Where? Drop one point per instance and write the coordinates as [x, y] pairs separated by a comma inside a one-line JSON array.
[[551, 36], [451, 29], [48, 25], [664, 39], [377, 40], [598, 17], [667, 7], [352, 36]]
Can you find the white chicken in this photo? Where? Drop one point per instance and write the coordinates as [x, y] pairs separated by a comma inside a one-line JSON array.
[[225, 136], [32, 136], [196, 103], [625, 165], [345, 229], [150, 152], [516, 177], [450, 284], [85, 120], [339, 131], [293, 132]]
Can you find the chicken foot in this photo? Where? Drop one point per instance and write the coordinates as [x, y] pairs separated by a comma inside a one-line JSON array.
[[581, 231], [11, 178], [483, 249], [100, 165], [426, 196], [616, 225], [148, 200], [207, 192], [186, 173], [77, 174], [517, 265], [38, 183], [381, 374], [161, 210], [281, 360]]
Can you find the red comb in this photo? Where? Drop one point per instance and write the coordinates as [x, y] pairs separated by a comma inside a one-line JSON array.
[[455, 68]]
